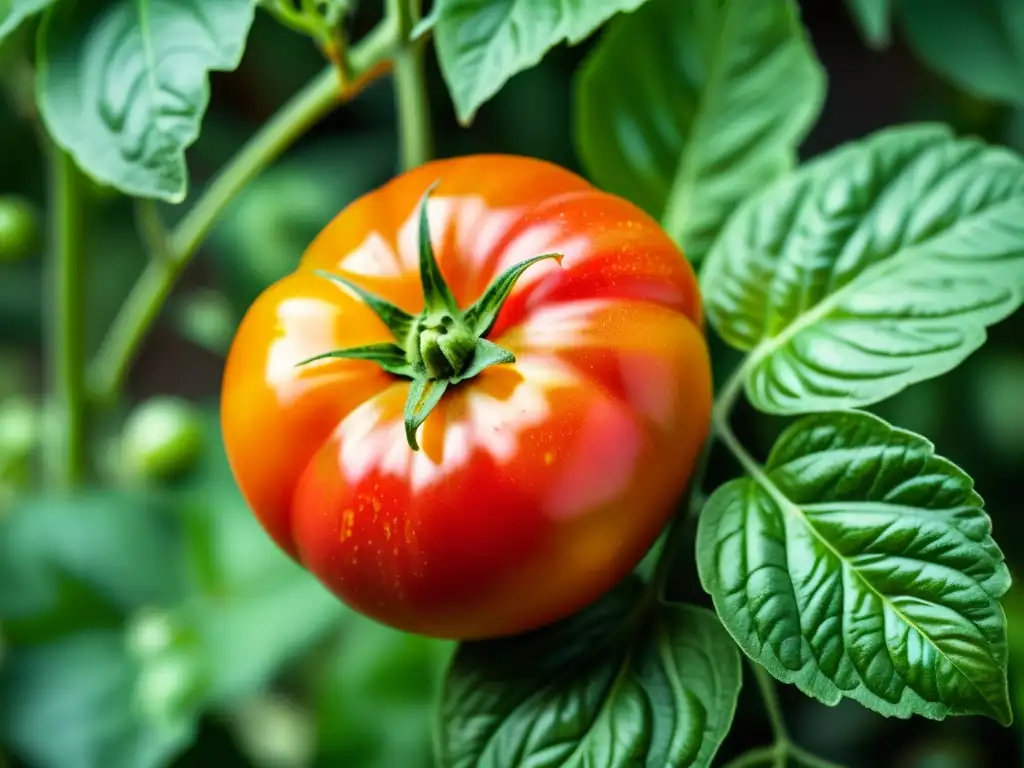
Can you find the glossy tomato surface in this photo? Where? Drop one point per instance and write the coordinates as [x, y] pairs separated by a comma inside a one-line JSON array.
[[538, 484]]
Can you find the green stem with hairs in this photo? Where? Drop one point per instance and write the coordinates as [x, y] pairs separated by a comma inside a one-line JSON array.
[[416, 142], [367, 60], [782, 752]]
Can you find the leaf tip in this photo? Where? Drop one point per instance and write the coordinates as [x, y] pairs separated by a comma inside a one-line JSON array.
[[410, 433], [1002, 712]]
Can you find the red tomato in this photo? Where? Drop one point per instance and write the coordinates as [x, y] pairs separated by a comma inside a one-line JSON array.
[[538, 484]]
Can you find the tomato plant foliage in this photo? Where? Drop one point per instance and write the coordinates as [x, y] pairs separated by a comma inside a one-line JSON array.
[[854, 562], [123, 86], [480, 46], [14, 12], [728, 92], [858, 563], [870, 269], [663, 695]]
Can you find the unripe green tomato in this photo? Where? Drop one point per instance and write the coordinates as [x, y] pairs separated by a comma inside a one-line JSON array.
[[19, 229], [20, 428], [162, 439]]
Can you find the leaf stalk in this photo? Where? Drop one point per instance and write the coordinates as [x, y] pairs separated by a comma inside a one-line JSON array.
[[369, 59]]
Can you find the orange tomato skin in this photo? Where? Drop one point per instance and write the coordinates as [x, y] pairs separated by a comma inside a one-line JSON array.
[[538, 484]]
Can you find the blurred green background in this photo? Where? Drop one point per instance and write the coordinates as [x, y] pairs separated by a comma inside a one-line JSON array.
[[152, 622]]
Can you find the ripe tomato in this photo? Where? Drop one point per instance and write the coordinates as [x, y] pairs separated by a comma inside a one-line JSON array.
[[536, 484]]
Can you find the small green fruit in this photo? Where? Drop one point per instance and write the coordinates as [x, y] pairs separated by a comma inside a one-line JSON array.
[[19, 229], [162, 439]]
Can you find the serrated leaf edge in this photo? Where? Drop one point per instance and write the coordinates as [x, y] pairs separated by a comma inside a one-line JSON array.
[[686, 172], [709, 582], [173, 196], [770, 345]]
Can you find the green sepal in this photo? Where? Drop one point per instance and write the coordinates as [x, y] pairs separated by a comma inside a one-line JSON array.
[[485, 354], [437, 297], [398, 321], [424, 394], [481, 316], [388, 356]]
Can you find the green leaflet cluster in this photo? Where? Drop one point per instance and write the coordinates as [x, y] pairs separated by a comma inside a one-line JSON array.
[[870, 269], [857, 563], [728, 91], [860, 564], [123, 85], [663, 695]]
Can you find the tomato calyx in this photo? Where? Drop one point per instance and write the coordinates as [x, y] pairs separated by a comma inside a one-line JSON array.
[[443, 345]]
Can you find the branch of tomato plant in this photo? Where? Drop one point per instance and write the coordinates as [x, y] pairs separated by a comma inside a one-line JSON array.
[[151, 229], [782, 750], [368, 60], [65, 446], [411, 102]]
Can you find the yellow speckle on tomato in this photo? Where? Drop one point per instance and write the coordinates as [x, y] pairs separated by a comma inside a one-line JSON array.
[[549, 458], [348, 518]]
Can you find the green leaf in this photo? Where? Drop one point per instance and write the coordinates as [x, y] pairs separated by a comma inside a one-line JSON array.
[[485, 354], [390, 357], [424, 394], [874, 19], [124, 548], [372, 695], [14, 12], [482, 315], [205, 317], [122, 85], [437, 296], [860, 564], [875, 267], [686, 108], [976, 44], [74, 704], [235, 641], [480, 46], [252, 609], [668, 699], [398, 321]]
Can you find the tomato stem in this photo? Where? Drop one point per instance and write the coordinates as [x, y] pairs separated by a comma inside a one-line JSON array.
[[442, 345], [65, 464], [415, 133], [368, 60]]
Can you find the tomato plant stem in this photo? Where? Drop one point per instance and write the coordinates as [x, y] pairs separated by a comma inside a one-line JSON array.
[[65, 458], [753, 758], [779, 753], [770, 694], [411, 102], [368, 60], [809, 760], [151, 229]]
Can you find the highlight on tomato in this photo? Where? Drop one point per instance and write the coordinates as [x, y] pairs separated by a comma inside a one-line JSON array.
[[472, 407]]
